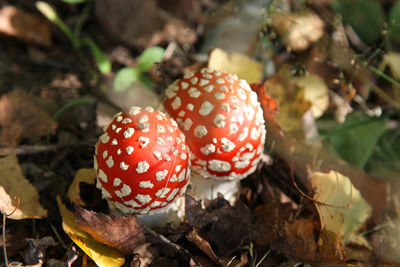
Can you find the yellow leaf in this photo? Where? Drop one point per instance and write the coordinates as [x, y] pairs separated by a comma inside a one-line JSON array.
[[340, 206], [14, 184], [392, 59], [316, 92], [86, 175], [101, 254], [243, 66], [291, 112]]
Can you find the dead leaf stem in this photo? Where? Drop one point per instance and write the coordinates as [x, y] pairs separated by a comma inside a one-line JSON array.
[[4, 228]]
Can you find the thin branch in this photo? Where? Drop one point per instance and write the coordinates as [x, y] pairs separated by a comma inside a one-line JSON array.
[[28, 150]]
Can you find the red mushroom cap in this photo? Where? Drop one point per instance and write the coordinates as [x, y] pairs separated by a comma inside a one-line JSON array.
[[142, 161], [222, 121]]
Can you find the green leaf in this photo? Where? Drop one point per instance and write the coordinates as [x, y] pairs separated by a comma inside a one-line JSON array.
[[384, 163], [47, 11], [103, 63], [125, 78], [146, 81], [394, 22], [149, 57], [365, 16], [74, 1], [355, 139]]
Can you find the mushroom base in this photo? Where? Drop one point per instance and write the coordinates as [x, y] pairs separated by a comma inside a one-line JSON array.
[[201, 188], [173, 214]]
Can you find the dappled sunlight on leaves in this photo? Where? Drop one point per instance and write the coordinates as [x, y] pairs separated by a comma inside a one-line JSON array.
[[341, 207], [103, 255], [18, 197]]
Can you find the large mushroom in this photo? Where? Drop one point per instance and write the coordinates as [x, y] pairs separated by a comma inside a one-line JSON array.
[[224, 128], [142, 164]]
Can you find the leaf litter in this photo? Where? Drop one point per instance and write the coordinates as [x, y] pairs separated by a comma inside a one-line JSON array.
[[314, 91]]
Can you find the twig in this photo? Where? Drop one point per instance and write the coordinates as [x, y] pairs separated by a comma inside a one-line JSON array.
[[168, 242], [4, 228], [4, 239], [58, 235], [28, 150]]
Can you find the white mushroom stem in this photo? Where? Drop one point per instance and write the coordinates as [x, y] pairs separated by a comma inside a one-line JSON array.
[[201, 188], [173, 214]]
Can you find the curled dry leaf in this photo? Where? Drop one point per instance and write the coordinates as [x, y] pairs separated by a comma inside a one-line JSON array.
[[340, 206], [103, 255], [224, 226], [202, 244], [86, 175], [14, 184], [240, 64], [121, 232], [24, 26], [300, 239], [298, 30]]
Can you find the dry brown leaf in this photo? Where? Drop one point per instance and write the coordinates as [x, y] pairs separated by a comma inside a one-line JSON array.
[[142, 256], [103, 255], [202, 244], [298, 30], [14, 184], [226, 227], [302, 240], [240, 64], [85, 175], [25, 26], [121, 232], [22, 118]]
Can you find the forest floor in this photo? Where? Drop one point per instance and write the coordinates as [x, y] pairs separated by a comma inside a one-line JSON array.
[[327, 75]]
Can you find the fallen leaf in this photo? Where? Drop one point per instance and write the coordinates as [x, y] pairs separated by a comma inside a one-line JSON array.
[[36, 250], [300, 239], [300, 242], [121, 232], [291, 112], [119, 18], [341, 208], [226, 227], [24, 26], [21, 118], [386, 241], [356, 138], [142, 256], [298, 30], [84, 175], [316, 92], [103, 255], [240, 64], [202, 244], [14, 184]]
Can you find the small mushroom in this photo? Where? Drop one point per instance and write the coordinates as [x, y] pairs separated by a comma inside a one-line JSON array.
[[142, 163], [224, 127]]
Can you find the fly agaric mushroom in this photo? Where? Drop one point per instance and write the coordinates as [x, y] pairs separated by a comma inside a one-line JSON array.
[[142, 162], [224, 127]]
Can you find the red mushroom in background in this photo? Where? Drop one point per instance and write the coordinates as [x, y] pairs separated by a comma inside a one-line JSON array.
[[142, 162], [223, 124]]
